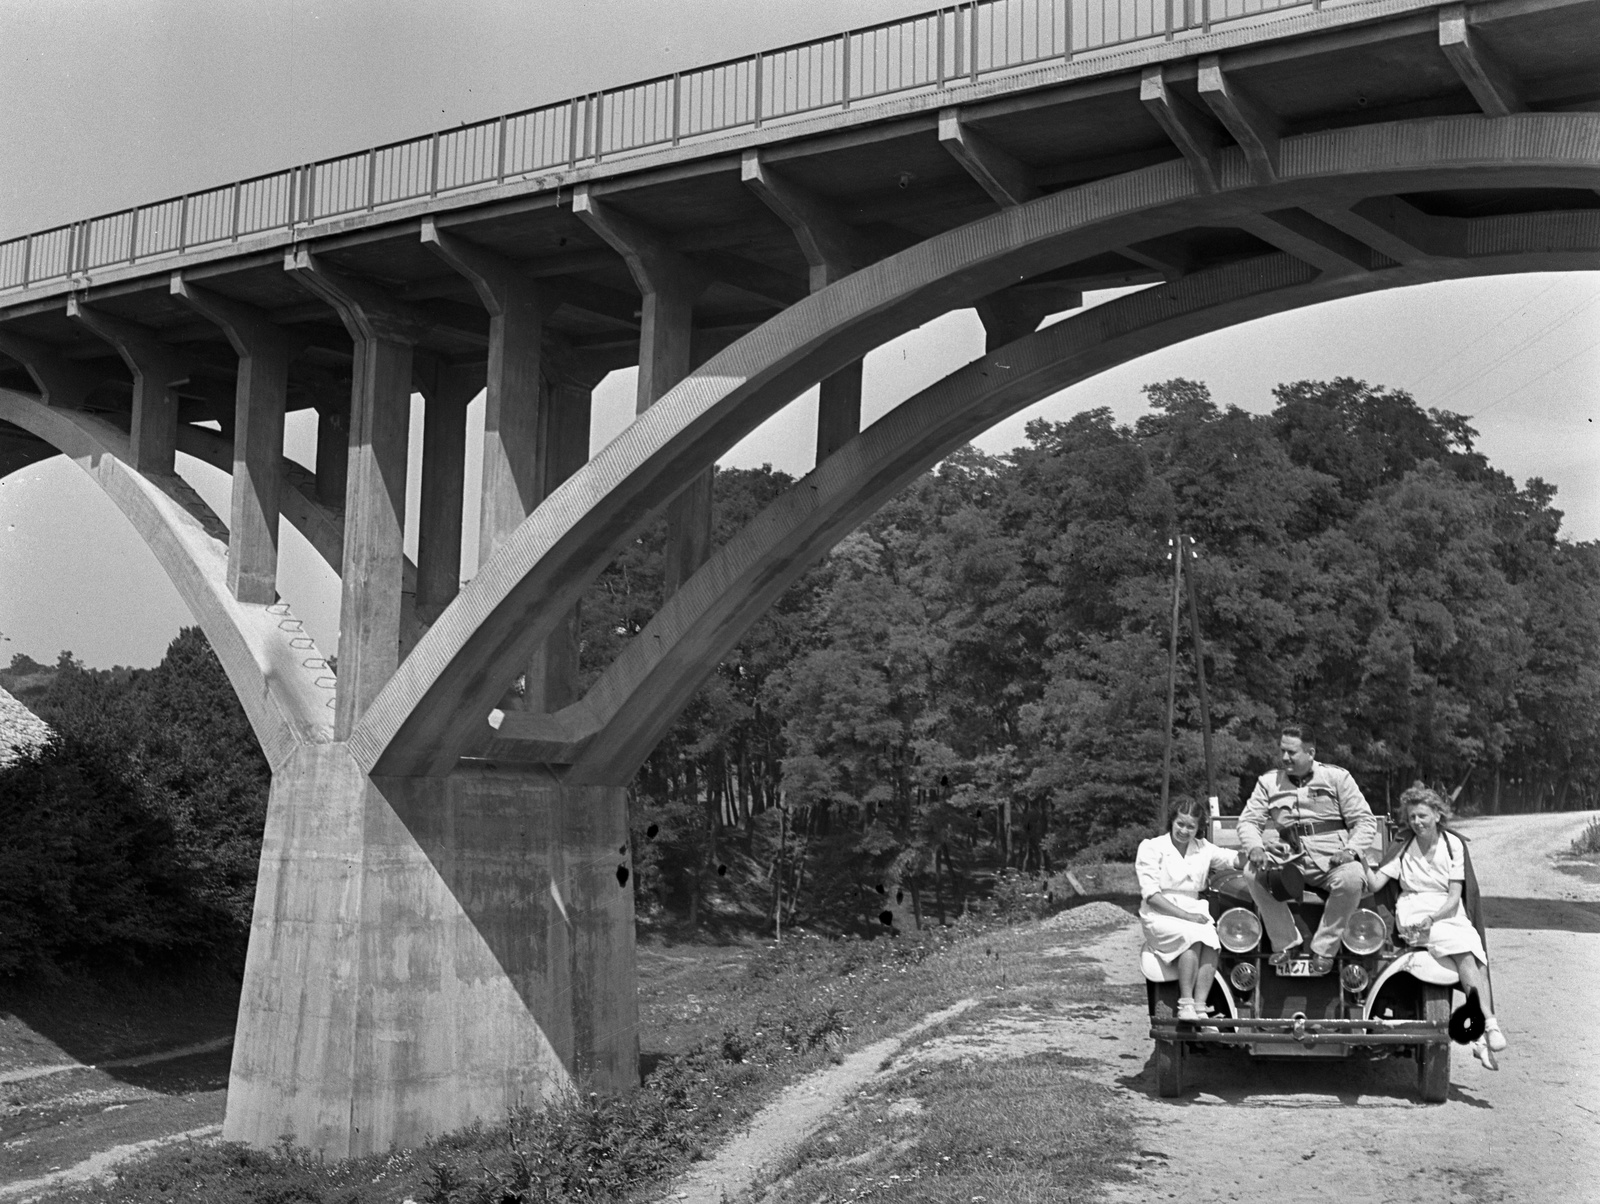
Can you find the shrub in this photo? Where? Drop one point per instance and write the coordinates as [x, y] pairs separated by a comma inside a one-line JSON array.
[[1018, 897], [1588, 842]]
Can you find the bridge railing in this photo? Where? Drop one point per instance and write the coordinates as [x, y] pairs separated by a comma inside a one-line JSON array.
[[928, 52]]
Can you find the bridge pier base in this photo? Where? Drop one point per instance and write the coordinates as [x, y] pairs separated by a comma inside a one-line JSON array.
[[427, 952]]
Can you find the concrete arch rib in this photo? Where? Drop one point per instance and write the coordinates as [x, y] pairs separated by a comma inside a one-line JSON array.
[[634, 702], [277, 672], [433, 707]]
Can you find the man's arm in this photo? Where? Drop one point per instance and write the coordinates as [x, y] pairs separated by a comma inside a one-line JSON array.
[[1253, 816], [1359, 821]]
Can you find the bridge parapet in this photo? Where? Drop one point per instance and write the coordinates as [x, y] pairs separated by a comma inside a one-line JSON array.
[[933, 59]]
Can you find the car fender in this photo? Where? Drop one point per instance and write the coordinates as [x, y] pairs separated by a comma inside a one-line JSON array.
[[1418, 963], [1156, 970]]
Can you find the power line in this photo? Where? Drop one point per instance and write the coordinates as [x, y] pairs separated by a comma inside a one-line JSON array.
[[1455, 354], [1527, 342], [1554, 367]]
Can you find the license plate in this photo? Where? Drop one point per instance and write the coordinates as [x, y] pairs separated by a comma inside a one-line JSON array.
[[1296, 969]]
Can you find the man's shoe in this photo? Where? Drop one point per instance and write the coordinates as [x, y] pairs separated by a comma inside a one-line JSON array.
[[1283, 956], [1320, 964]]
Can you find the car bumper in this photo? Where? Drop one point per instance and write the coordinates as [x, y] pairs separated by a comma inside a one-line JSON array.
[[1259, 1031]]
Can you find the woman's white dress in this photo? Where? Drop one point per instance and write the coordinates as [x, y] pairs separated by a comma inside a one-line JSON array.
[[1425, 880], [1181, 876]]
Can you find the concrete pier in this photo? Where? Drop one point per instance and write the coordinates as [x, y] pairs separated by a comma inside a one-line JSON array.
[[430, 952]]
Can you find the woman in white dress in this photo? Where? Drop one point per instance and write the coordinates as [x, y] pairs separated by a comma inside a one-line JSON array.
[[1431, 870], [1172, 871]]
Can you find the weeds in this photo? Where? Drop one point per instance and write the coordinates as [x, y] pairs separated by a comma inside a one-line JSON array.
[[1588, 842], [1029, 1128], [789, 1009]]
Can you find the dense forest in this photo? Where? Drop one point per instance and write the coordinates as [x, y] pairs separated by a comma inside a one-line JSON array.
[[974, 681]]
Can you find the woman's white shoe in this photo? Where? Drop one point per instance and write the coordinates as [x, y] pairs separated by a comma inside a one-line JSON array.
[[1484, 1054], [1493, 1037], [1186, 1010]]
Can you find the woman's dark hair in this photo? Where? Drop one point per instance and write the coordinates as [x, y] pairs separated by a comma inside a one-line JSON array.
[[1195, 809]]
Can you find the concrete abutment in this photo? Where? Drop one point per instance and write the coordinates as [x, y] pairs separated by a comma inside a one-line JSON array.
[[429, 952]]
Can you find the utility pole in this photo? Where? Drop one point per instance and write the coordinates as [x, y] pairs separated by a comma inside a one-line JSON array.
[[1176, 556], [1200, 672]]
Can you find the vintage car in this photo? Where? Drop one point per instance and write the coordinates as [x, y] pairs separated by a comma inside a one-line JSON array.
[[1382, 999]]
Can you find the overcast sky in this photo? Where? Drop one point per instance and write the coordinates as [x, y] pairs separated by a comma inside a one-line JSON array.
[[108, 103]]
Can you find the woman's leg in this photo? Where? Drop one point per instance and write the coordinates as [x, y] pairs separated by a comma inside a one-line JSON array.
[[1474, 976], [1188, 968], [1204, 973]]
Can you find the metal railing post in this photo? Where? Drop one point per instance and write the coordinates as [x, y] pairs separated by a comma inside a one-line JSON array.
[[677, 107], [938, 20], [1169, 21], [599, 125], [972, 52], [233, 225], [133, 232], [433, 164], [572, 132], [759, 81], [27, 258], [1205, 16], [844, 74], [500, 151], [183, 224], [372, 179], [1066, 26]]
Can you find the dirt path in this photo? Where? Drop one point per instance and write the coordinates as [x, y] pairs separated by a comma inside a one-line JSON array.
[[779, 1129]]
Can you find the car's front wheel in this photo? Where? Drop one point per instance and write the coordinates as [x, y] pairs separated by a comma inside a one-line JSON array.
[[1433, 1073]]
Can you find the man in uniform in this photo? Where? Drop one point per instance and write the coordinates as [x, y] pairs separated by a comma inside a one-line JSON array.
[[1322, 806]]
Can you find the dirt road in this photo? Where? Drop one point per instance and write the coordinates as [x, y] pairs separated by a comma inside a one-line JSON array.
[[1291, 1132]]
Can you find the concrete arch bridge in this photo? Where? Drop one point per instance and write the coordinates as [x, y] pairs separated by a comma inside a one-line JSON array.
[[443, 923]]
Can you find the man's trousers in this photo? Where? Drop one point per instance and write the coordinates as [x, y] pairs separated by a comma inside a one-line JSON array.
[[1345, 885]]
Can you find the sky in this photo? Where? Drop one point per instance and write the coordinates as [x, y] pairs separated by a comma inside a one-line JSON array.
[[108, 103]]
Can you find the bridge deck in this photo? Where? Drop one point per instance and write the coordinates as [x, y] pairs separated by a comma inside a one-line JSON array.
[[882, 169]]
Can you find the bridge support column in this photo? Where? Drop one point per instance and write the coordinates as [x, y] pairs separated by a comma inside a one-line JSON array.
[[257, 435], [553, 680], [832, 250], [669, 284], [427, 952], [153, 441], [446, 389], [372, 569]]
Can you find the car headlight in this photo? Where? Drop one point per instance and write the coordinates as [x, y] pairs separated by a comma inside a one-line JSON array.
[[1239, 930], [1365, 932]]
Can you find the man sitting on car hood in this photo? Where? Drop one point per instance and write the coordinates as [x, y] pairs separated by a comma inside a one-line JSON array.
[[1330, 816]]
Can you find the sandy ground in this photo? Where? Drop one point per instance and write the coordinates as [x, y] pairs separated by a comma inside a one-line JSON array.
[[1294, 1131]]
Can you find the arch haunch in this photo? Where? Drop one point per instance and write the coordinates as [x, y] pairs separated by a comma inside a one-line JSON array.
[[274, 667], [433, 707]]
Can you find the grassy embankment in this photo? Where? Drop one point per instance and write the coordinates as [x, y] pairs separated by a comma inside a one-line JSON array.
[[724, 1028]]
